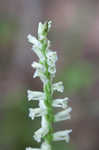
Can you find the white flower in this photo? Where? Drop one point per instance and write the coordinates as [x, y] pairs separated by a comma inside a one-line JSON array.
[[42, 105], [35, 95], [60, 102], [42, 28], [38, 52], [52, 69], [41, 31], [29, 148], [45, 146], [58, 86], [49, 25], [51, 58], [40, 74], [44, 123], [63, 115], [62, 135], [40, 70], [48, 44], [40, 133], [36, 112], [38, 66], [34, 41]]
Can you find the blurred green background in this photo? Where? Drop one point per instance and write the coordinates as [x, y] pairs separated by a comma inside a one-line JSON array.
[[75, 37]]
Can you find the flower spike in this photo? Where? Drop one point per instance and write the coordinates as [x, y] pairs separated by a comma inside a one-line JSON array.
[[45, 69]]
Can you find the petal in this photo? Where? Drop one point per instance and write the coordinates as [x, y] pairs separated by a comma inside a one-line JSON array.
[[60, 102], [38, 52], [35, 95], [52, 69], [48, 44], [63, 115], [58, 87], [51, 57], [38, 66], [42, 105], [62, 135], [40, 28], [39, 134], [49, 25], [34, 41], [44, 123], [43, 29], [41, 75], [31, 39], [34, 113]]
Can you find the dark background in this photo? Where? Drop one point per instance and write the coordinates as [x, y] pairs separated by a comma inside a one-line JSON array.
[[75, 37]]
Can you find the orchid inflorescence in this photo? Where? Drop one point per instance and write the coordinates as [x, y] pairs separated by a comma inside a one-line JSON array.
[[45, 70]]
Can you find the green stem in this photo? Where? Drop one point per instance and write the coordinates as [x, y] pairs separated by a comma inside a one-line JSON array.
[[49, 115], [48, 100]]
